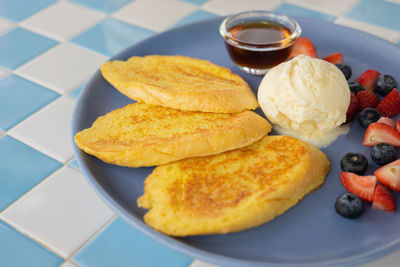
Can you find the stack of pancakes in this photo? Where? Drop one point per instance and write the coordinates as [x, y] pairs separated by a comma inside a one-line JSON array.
[[219, 170]]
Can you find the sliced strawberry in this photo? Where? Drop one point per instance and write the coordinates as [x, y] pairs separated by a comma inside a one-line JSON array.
[[388, 121], [336, 58], [352, 109], [390, 105], [367, 79], [304, 46], [389, 175], [361, 186], [383, 199], [377, 133], [398, 125], [367, 99]]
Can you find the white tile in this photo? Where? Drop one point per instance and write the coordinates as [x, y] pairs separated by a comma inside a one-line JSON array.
[[3, 73], [62, 20], [5, 25], [62, 68], [335, 8], [69, 264], [391, 260], [390, 35], [156, 15], [222, 7], [197, 263], [48, 130], [62, 212], [393, 1]]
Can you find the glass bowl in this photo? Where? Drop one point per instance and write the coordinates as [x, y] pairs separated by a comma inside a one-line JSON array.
[[259, 40]]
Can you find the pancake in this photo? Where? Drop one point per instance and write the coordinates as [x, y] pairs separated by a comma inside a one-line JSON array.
[[180, 82], [232, 191], [144, 135]]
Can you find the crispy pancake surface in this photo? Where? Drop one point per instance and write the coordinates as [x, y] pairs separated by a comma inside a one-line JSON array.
[[145, 135], [232, 191], [180, 82]]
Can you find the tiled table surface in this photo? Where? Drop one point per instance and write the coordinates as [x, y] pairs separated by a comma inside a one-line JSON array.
[[49, 215]]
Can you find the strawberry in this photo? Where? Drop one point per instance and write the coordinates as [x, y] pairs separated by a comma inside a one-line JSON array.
[[367, 99], [383, 199], [390, 105], [377, 133], [388, 121], [303, 45], [361, 186], [367, 79], [389, 175], [352, 109], [336, 58], [398, 125]]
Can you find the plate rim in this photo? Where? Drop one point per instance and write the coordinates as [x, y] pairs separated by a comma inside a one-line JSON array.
[[171, 242]]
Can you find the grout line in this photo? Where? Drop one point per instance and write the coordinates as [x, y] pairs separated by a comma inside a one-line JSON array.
[[20, 229], [27, 192], [33, 239], [92, 237]]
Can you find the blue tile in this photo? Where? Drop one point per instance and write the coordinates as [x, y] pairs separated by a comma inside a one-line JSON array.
[[18, 46], [74, 163], [121, 245], [17, 10], [21, 168], [293, 10], [76, 92], [106, 6], [111, 36], [17, 250], [196, 16], [20, 98], [381, 13], [196, 2]]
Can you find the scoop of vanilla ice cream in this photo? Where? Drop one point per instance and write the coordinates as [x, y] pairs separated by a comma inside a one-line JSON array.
[[307, 98]]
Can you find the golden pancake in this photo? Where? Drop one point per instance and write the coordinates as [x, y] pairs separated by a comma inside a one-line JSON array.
[[145, 135], [234, 190], [180, 82]]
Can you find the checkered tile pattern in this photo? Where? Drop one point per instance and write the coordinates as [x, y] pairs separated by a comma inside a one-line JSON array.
[[49, 215]]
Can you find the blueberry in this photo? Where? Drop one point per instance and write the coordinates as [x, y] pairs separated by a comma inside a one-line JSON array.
[[349, 205], [384, 84], [383, 153], [356, 87], [346, 69], [368, 116], [354, 162]]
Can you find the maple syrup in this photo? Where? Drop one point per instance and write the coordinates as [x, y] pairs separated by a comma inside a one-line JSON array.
[[261, 35], [259, 40]]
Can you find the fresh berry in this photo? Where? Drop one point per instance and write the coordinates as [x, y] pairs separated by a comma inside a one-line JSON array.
[[390, 105], [367, 79], [367, 99], [368, 116], [354, 162], [356, 87], [383, 199], [398, 125], [336, 58], [385, 84], [377, 133], [349, 205], [361, 186], [346, 69], [387, 121], [352, 109], [383, 153], [303, 45], [389, 175]]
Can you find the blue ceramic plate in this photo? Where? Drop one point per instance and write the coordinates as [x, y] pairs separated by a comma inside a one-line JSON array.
[[309, 234]]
